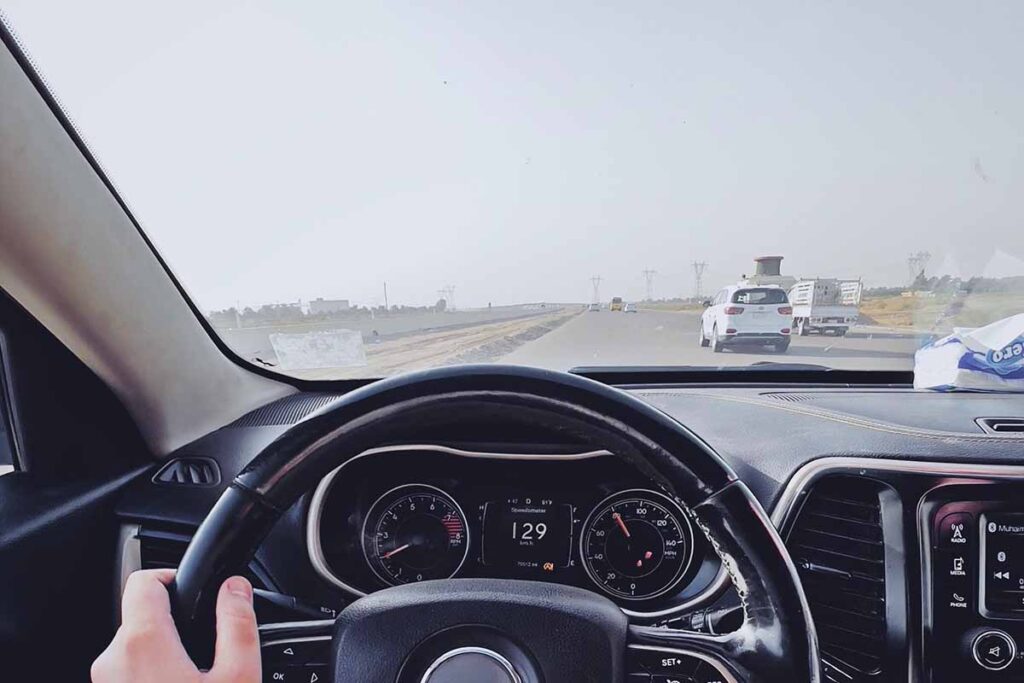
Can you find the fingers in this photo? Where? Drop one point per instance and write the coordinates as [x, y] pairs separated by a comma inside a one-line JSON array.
[[145, 598], [146, 647], [237, 657]]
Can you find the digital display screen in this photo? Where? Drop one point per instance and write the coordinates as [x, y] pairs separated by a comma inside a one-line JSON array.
[[527, 533], [1003, 577]]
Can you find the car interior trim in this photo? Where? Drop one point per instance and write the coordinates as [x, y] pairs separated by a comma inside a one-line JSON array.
[[804, 477]]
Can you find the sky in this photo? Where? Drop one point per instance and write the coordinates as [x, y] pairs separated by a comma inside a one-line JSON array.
[[277, 151]]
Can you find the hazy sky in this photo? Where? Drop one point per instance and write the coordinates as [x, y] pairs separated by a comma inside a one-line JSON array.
[[277, 151]]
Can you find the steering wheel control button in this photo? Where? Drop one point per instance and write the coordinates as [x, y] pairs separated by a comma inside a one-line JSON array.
[[664, 666], [994, 650], [477, 664], [295, 674], [297, 653], [707, 673], [956, 531]]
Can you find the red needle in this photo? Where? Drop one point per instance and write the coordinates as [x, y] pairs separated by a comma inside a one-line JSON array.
[[395, 551], [622, 525]]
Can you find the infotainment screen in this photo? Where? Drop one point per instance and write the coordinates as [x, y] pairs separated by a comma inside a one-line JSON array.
[[527, 533], [1002, 580]]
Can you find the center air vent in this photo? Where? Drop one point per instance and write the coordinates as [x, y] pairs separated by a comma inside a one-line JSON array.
[[189, 472], [1001, 425], [837, 545]]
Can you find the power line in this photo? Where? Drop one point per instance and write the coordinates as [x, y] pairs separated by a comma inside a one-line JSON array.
[[698, 278], [596, 282], [649, 278]]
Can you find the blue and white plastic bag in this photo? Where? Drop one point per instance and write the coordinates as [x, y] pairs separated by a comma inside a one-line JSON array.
[[989, 358]]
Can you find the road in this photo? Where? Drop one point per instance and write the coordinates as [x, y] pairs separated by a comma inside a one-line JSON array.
[[670, 338]]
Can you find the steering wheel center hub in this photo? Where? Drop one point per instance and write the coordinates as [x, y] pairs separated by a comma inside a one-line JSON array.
[[478, 664], [481, 630]]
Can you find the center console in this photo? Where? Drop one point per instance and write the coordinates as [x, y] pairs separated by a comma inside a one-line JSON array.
[[974, 625]]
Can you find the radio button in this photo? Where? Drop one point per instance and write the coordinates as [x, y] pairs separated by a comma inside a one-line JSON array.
[[956, 531]]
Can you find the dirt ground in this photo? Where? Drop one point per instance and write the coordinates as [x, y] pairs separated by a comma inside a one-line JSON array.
[[942, 312], [479, 344]]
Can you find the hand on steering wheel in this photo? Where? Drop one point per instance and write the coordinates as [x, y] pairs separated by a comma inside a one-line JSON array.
[[147, 648]]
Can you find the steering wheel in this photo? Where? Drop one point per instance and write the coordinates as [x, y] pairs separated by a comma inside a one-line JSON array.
[[532, 632]]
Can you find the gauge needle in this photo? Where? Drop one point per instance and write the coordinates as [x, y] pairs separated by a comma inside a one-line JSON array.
[[622, 525], [394, 552]]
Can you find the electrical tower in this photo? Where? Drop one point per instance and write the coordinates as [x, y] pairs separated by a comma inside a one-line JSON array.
[[596, 282], [447, 293], [916, 264], [649, 279], [698, 278]]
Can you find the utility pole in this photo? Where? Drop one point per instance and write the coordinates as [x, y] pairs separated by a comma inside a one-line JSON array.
[[649, 278], [450, 291], [698, 278], [596, 281], [916, 265], [386, 307]]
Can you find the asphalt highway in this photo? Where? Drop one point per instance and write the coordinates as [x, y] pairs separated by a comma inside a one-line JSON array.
[[670, 338]]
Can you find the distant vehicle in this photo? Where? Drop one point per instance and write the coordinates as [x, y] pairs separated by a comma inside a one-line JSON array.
[[629, 308], [594, 307], [825, 305], [616, 304], [747, 315]]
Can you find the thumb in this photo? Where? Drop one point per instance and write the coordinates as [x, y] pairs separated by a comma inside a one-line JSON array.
[[237, 657]]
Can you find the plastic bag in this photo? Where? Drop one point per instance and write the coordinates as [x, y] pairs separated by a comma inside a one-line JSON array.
[[989, 358]]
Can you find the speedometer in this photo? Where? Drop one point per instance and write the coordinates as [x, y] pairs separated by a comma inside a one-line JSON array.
[[415, 533], [637, 544]]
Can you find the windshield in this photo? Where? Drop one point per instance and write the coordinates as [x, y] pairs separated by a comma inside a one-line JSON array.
[[351, 190]]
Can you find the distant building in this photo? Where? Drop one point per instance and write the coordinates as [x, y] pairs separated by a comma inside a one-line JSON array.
[[321, 305]]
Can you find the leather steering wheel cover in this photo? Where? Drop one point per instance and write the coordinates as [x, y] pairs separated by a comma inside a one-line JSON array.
[[777, 638]]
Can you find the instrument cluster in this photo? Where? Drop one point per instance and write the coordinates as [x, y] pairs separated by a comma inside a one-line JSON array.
[[417, 513]]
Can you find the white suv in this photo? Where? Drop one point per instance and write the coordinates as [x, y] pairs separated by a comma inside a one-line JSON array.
[[747, 315]]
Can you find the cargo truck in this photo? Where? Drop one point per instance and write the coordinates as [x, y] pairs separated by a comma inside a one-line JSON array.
[[825, 305]]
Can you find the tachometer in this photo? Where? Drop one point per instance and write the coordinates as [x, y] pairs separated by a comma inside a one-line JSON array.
[[637, 544], [415, 533]]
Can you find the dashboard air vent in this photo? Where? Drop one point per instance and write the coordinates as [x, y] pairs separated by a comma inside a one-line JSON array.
[[1001, 425], [162, 549], [837, 544], [189, 472]]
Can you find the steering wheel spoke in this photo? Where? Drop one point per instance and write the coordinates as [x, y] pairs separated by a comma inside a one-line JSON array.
[[297, 650], [682, 655]]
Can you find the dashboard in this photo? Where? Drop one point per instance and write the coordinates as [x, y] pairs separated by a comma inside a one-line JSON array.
[[410, 513], [864, 484]]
